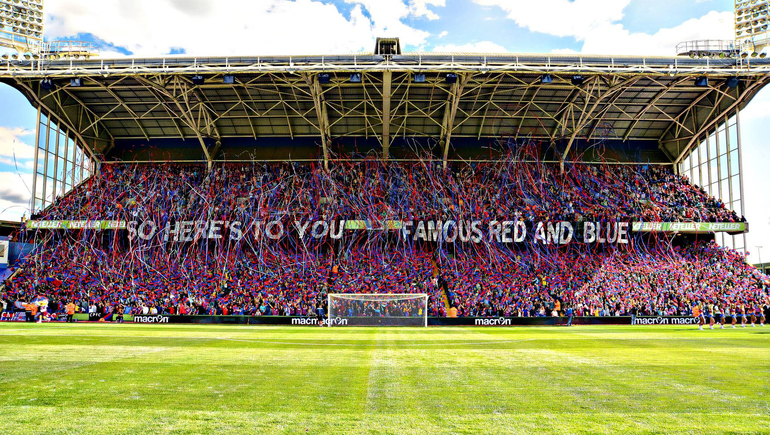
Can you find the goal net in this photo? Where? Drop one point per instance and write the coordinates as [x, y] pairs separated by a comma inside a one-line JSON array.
[[346, 309]]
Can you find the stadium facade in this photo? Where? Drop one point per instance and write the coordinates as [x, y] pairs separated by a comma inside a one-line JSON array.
[[677, 112]]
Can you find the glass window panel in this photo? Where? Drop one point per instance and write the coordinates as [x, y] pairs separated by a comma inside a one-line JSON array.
[[71, 150], [62, 143], [733, 138], [729, 242], [724, 167], [696, 174], [50, 164], [738, 242], [41, 138], [722, 136], [713, 172], [694, 170], [48, 190], [52, 139], [712, 146], [695, 178], [725, 196], [40, 159], [702, 152], [72, 173], [39, 186], [60, 169], [68, 172], [734, 168], [736, 182]]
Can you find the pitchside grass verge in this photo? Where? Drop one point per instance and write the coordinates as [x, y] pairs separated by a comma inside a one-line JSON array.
[[167, 379]]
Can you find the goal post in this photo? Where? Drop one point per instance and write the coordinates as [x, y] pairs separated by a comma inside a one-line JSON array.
[[369, 309]]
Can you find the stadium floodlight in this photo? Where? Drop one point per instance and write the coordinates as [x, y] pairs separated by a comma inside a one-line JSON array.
[[419, 78], [451, 78], [546, 78], [702, 82], [21, 25], [752, 32], [356, 78], [46, 84], [198, 80], [324, 78], [351, 309], [76, 82], [733, 82], [228, 79]]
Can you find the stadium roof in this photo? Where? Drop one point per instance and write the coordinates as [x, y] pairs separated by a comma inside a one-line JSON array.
[[620, 98]]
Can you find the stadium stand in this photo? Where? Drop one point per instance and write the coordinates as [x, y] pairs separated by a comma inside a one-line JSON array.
[[653, 275], [389, 143]]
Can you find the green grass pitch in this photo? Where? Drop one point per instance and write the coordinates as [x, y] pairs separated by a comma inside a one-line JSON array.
[[169, 379]]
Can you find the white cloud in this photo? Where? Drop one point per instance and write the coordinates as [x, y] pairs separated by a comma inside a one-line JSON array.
[[614, 38], [419, 8], [576, 18], [442, 34], [597, 23], [477, 47], [758, 109], [203, 27], [14, 196], [11, 143], [22, 165]]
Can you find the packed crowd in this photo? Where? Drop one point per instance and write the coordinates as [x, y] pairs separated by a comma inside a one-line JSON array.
[[102, 273], [659, 281], [290, 285], [398, 191], [526, 283]]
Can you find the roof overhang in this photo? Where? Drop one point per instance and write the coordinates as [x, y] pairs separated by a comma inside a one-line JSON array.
[[620, 98]]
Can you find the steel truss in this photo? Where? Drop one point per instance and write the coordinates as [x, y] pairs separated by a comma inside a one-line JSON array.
[[620, 98]]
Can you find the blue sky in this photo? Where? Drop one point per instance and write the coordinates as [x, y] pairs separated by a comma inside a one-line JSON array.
[[160, 27]]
